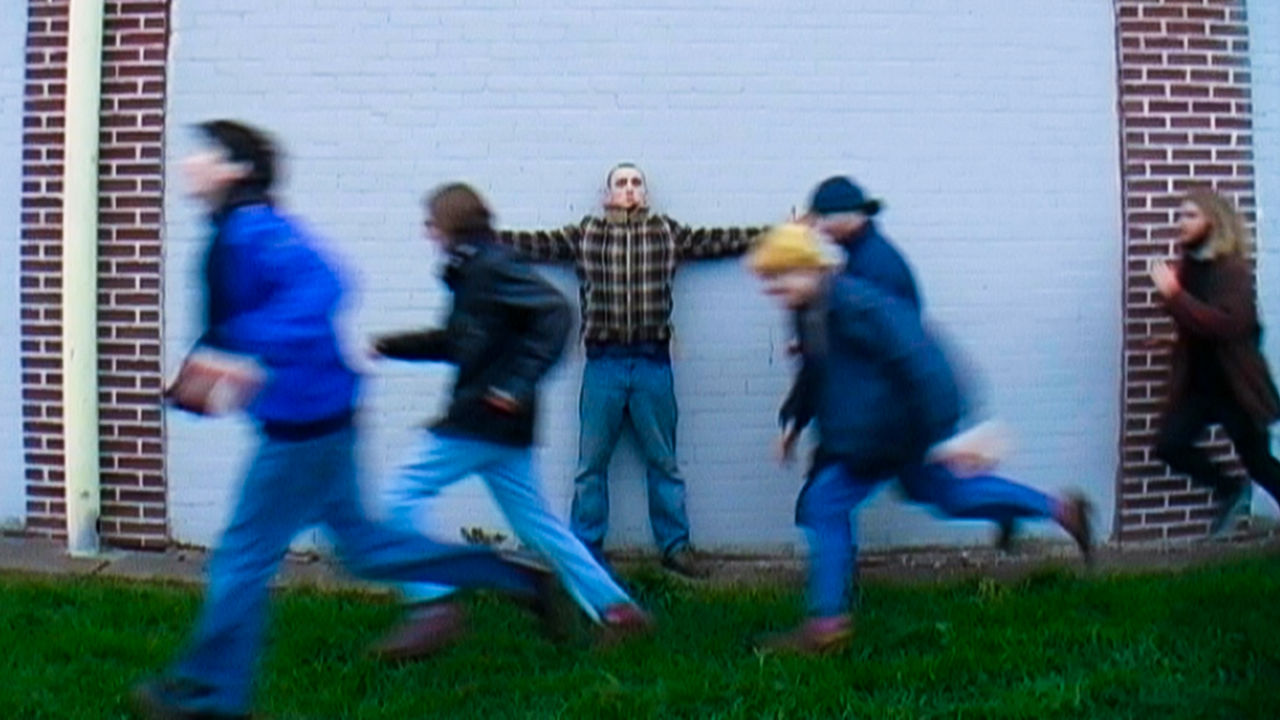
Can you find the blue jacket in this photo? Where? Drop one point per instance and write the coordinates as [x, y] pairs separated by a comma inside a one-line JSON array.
[[874, 259], [879, 387], [271, 294]]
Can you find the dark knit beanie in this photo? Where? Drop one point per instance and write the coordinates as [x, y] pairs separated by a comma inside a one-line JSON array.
[[841, 195]]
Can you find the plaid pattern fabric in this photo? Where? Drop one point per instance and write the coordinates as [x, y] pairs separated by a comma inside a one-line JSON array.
[[626, 263]]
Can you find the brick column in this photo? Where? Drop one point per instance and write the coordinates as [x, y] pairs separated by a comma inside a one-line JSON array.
[[135, 50], [1186, 119]]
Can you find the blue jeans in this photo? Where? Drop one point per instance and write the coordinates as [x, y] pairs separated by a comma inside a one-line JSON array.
[[291, 486], [825, 505], [613, 389], [509, 474]]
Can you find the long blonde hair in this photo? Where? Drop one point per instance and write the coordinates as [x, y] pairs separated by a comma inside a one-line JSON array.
[[1228, 235]]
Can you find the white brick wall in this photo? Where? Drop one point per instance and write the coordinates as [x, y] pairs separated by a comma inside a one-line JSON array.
[[1264, 47], [989, 129], [13, 27]]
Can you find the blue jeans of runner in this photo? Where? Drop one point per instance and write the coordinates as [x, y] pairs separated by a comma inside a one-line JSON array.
[[827, 502], [509, 474], [290, 486]]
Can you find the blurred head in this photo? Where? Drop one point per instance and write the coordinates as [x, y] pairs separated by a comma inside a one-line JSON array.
[[232, 155], [626, 188], [1209, 224], [456, 210], [793, 263], [839, 209], [840, 226], [794, 289]]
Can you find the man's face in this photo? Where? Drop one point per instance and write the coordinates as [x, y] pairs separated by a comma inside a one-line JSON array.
[[627, 190], [432, 232], [208, 173], [839, 226], [793, 289]]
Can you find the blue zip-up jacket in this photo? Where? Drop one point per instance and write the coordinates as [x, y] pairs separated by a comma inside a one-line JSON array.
[[873, 258], [882, 391], [271, 294]]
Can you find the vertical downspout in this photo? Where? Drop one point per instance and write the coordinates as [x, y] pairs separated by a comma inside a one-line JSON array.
[[80, 275]]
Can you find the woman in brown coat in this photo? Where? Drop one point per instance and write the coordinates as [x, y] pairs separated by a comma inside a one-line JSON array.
[[1219, 374]]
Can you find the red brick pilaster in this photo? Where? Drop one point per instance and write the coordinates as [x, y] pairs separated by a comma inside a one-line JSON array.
[[1186, 120], [135, 48]]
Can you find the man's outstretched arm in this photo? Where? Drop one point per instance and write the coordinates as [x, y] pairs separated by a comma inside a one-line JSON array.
[[545, 245], [710, 243]]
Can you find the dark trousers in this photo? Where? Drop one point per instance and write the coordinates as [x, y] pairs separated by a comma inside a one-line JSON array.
[[1185, 423]]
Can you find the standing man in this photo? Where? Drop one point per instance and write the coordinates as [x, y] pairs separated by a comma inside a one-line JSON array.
[[626, 261]]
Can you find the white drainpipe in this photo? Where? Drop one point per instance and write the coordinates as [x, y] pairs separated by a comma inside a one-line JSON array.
[[80, 276]]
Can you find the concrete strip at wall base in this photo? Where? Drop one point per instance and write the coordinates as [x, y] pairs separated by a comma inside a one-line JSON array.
[[990, 130]]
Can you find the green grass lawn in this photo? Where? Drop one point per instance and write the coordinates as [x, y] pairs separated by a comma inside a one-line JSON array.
[[1201, 644]]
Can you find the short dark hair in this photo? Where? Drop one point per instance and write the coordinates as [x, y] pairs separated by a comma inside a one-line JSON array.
[[608, 179], [457, 209], [245, 144]]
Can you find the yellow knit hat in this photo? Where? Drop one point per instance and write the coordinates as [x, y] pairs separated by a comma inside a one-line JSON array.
[[789, 246]]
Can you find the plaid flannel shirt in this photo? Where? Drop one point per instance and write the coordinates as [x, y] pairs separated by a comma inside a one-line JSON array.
[[626, 262]]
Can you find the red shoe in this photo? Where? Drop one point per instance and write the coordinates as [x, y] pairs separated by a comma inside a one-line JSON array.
[[623, 622], [427, 630], [816, 636]]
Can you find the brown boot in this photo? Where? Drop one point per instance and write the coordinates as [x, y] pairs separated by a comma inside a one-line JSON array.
[[169, 699], [426, 630], [815, 636], [1075, 516], [558, 616], [684, 563]]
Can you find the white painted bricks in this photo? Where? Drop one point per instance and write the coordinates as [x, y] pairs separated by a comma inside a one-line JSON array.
[[989, 129]]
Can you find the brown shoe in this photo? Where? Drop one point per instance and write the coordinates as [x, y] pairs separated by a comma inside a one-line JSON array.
[[427, 630], [1075, 516], [1006, 535], [685, 564], [816, 636], [623, 622], [557, 614], [167, 699]]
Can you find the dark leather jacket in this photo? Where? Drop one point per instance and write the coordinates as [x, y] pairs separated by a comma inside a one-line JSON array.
[[507, 328]]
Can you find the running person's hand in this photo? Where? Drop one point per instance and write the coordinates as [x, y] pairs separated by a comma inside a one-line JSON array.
[[785, 449], [502, 402], [1165, 278]]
